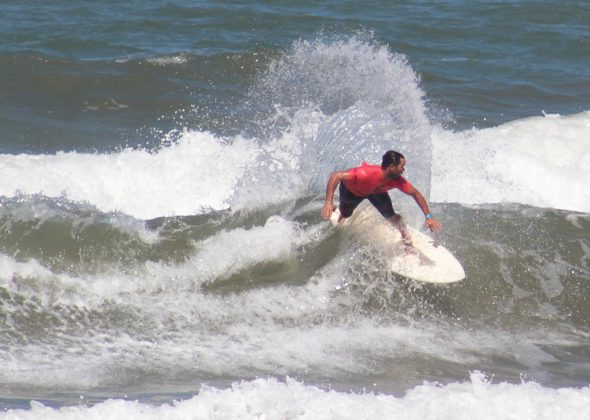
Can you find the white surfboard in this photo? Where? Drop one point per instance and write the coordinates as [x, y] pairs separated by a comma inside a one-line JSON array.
[[428, 262]]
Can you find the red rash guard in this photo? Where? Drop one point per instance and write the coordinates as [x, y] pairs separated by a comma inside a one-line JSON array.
[[368, 179]]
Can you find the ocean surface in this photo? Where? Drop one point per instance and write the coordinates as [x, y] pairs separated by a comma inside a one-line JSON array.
[[162, 171]]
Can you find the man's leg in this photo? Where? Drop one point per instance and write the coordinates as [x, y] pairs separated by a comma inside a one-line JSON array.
[[348, 202], [382, 203]]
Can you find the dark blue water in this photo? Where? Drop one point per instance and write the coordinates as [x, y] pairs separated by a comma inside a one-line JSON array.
[[66, 65]]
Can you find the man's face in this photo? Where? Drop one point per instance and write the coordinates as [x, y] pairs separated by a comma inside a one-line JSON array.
[[394, 171]]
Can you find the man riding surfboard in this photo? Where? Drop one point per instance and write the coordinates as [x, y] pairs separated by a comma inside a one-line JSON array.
[[373, 183]]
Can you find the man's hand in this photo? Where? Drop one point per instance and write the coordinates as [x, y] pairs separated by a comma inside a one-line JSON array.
[[327, 210], [433, 224]]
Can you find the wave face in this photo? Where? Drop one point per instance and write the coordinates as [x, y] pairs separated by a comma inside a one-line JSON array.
[[94, 300]]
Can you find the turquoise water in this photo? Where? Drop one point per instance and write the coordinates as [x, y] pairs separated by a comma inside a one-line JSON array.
[[163, 169]]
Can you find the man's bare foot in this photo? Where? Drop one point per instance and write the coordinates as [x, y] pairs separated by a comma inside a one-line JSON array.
[[409, 247]]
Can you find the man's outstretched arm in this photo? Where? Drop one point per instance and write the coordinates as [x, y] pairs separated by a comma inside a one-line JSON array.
[[433, 224], [333, 181]]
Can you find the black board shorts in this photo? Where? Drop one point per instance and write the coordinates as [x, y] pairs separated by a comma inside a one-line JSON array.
[[349, 202]]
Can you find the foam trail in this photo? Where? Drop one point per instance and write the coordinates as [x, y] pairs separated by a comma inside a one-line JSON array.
[[539, 161], [218, 256]]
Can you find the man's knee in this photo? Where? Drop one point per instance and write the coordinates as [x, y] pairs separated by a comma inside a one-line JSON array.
[[386, 210]]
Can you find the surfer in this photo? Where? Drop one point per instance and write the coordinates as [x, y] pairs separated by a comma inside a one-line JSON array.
[[372, 182]]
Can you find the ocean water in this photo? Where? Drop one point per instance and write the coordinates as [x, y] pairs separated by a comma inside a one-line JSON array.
[[163, 166]]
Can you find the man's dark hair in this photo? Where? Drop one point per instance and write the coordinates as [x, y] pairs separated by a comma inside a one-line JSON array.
[[391, 157]]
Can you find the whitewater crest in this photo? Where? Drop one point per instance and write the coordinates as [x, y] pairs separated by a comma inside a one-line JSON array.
[[539, 161]]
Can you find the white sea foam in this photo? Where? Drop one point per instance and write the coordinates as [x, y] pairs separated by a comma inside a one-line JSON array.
[[158, 61], [173, 59], [230, 251], [272, 399], [196, 174], [539, 161]]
